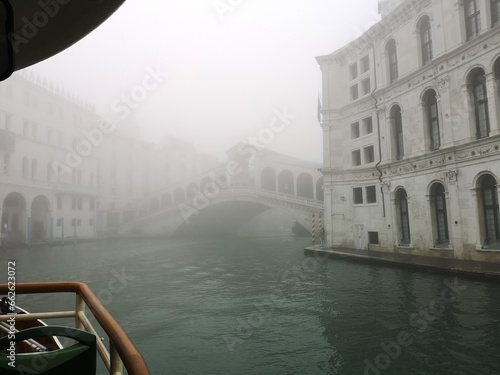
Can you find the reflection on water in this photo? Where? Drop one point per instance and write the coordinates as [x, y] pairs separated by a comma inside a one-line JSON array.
[[258, 306]]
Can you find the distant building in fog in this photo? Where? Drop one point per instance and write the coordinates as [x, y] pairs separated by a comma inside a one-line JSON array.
[[65, 171], [411, 129]]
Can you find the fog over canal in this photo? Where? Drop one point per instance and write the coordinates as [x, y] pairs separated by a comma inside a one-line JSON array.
[[258, 306]]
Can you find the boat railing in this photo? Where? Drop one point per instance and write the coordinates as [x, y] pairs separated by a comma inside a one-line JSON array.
[[121, 349]]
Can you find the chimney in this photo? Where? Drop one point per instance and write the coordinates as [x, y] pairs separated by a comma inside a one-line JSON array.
[[387, 6]]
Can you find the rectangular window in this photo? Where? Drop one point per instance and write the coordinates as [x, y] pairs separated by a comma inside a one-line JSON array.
[[354, 92], [367, 126], [373, 238], [369, 154], [495, 12], [366, 86], [472, 18], [79, 222], [355, 130], [92, 205], [80, 204], [91, 222], [371, 194], [356, 158], [73, 204], [365, 64], [59, 222], [353, 71], [357, 195], [59, 202]]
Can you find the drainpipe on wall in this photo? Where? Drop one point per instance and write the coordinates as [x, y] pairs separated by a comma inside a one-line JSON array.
[[378, 130]]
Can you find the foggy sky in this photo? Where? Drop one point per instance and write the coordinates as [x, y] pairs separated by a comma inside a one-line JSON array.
[[221, 68]]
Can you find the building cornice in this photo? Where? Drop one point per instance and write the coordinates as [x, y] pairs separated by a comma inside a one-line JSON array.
[[387, 26]]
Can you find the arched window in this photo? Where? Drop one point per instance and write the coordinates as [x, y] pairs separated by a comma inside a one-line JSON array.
[[477, 82], [431, 108], [392, 60], [472, 18], [495, 11], [489, 194], [404, 219], [397, 129], [426, 40], [440, 219]]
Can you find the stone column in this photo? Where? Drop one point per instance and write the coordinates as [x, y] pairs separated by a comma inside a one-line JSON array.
[[389, 212], [468, 117], [477, 219], [410, 223], [455, 228], [444, 107], [395, 221], [493, 102]]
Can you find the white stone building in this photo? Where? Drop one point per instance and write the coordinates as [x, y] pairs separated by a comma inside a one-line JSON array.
[[65, 172], [46, 190], [411, 130]]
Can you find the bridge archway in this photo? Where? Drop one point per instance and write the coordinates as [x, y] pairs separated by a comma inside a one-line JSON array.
[[305, 186], [15, 216], [268, 179], [40, 218], [285, 182], [320, 194]]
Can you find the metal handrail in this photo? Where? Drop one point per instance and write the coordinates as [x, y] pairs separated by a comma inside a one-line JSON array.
[[120, 344]]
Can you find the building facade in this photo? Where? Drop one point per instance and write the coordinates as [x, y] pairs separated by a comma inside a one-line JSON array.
[[411, 130], [66, 172]]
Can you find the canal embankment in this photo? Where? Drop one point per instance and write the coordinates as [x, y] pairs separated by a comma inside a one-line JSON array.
[[457, 267]]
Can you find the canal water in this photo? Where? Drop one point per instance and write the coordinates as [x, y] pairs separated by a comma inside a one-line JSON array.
[[258, 306]]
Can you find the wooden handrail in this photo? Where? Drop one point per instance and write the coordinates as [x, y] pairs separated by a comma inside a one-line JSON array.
[[132, 359]]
